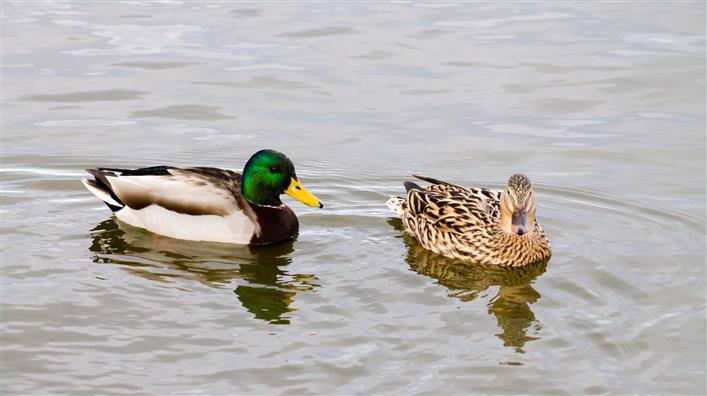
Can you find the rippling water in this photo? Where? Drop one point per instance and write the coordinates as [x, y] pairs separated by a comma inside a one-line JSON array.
[[602, 106]]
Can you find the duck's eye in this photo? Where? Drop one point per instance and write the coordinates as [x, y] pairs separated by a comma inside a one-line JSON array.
[[275, 169]]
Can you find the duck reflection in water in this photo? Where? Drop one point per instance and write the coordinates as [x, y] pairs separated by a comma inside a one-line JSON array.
[[466, 281], [264, 287]]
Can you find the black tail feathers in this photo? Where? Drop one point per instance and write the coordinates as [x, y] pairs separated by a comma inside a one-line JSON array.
[[411, 186], [430, 180]]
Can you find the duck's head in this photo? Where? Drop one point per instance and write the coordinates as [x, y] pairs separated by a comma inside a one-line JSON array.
[[269, 174], [518, 206]]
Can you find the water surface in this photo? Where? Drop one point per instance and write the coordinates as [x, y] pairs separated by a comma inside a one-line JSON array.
[[602, 106]]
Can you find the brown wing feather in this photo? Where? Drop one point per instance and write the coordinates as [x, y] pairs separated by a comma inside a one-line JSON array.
[[193, 191], [448, 207]]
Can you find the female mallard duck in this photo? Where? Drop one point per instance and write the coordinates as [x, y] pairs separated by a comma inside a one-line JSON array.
[[207, 204], [476, 224]]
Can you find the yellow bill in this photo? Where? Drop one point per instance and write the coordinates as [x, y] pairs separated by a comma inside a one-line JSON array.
[[298, 192]]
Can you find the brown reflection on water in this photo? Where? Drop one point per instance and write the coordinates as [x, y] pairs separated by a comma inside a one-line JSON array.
[[264, 286], [466, 281]]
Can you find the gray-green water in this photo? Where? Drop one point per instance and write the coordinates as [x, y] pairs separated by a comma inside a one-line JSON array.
[[601, 105]]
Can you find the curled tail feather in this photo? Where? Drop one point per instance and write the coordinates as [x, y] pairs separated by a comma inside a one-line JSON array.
[[101, 188], [103, 193]]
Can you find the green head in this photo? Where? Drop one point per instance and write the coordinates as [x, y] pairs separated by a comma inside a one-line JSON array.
[[267, 175]]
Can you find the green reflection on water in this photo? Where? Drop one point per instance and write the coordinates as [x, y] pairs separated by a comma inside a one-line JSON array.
[[467, 281], [263, 285]]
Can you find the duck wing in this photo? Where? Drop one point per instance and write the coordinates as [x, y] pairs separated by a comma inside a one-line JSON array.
[[453, 208], [192, 191]]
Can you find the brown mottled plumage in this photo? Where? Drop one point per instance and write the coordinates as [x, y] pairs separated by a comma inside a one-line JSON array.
[[475, 224]]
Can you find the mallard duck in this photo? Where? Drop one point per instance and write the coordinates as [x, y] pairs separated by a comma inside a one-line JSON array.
[[475, 224], [207, 204]]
